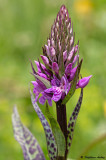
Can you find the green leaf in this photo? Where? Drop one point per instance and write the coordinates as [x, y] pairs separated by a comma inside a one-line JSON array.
[[51, 144], [29, 145], [72, 120], [73, 85], [59, 137], [61, 65]]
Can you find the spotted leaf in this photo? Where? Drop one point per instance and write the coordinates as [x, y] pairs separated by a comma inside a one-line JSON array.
[[29, 145], [51, 144], [72, 120], [59, 137]]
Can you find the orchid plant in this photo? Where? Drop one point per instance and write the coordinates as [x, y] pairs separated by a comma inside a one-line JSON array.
[[55, 80]]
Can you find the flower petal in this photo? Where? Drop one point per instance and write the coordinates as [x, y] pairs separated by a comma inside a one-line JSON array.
[[55, 81], [45, 97], [48, 42], [52, 52], [51, 90], [42, 100], [55, 67], [84, 81], [47, 50], [63, 81], [66, 84], [75, 60], [65, 55], [74, 49], [57, 94], [38, 66], [73, 71], [42, 75], [38, 87], [68, 69]]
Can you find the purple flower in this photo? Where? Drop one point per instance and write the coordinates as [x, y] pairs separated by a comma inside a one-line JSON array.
[[61, 59], [59, 88]]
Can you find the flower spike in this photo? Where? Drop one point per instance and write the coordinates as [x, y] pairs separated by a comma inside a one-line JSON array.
[[61, 59]]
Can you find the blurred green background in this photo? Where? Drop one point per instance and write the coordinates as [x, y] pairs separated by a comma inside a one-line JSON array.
[[24, 28]]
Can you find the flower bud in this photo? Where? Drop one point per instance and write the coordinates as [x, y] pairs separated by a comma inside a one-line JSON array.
[[45, 60], [55, 67], [84, 81]]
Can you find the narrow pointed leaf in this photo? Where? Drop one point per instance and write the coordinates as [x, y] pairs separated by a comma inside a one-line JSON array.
[[72, 120], [73, 85], [43, 80], [51, 144], [29, 145], [61, 65], [59, 137], [34, 72]]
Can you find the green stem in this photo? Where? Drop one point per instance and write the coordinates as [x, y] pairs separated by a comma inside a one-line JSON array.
[[60, 158], [62, 120]]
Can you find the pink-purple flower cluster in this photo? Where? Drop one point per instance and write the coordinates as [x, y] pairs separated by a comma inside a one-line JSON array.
[[61, 59]]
